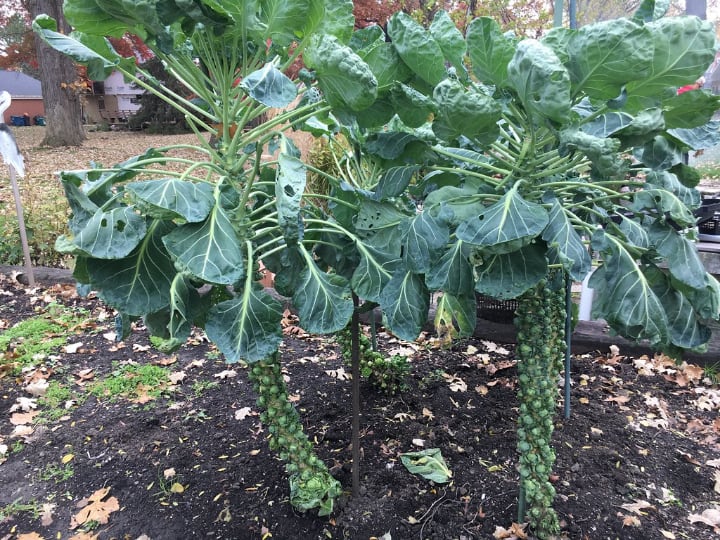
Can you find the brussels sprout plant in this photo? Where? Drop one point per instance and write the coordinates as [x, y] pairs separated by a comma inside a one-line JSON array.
[[503, 163], [182, 247]]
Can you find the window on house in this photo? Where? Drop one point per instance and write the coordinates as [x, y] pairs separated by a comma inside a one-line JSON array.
[[98, 87]]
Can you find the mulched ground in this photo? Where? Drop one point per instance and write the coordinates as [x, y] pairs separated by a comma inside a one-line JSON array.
[[638, 458]]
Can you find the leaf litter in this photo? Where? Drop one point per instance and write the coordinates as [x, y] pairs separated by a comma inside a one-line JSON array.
[[656, 442]]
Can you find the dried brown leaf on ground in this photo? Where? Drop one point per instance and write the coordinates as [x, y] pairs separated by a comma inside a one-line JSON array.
[[94, 508]]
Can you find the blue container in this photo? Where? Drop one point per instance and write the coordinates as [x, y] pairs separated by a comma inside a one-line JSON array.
[[17, 121]]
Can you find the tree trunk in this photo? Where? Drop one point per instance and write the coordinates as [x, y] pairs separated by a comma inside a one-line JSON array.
[[58, 77]]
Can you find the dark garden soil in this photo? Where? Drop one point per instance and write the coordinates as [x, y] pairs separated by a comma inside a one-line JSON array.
[[638, 458]]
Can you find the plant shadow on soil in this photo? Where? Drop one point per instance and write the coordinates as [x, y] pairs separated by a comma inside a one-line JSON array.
[[635, 460]]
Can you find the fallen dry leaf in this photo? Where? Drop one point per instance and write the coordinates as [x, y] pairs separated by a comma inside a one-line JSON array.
[[30, 536], [637, 507], [717, 482], [84, 536], [243, 413], [94, 508], [339, 374], [20, 419], [455, 383], [166, 361], [226, 374], [667, 534], [46, 514], [37, 388], [177, 376], [515, 532], [73, 348], [24, 404], [711, 517], [631, 521], [169, 473]]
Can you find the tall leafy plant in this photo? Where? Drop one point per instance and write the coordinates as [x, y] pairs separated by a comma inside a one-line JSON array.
[[182, 247], [502, 163]]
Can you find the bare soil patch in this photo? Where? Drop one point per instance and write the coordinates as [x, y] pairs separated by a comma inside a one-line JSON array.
[[637, 459]]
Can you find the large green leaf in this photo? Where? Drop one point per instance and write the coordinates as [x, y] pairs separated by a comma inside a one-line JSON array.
[[405, 302], [464, 202], [374, 215], [490, 51], [338, 19], [344, 77], [424, 237], [411, 106], [506, 225], [394, 181], [138, 284], [684, 327], [665, 204], [541, 80], [373, 273], [289, 188], [452, 273], [208, 250], [605, 56], [112, 234], [623, 295], [690, 109], [650, 10], [563, 239], [270, 86], [91, 51], [660, 153], [417, 48], [88, 17], [462, 111], [681, 254], [455, 316], [170, 198], [508, 275], [705, 136], [386, 64], [283, 19], [324, 301], [684, 48], [666, 180], [450, 40], [605, 125], [246, 327], [706, 300]]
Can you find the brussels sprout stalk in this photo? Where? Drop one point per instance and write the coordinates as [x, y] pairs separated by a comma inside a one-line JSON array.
[[311, 484], [540, 323]]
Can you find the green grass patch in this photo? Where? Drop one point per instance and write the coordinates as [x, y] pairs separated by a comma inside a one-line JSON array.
[[709, 170], [17, 507], [54, 402], [35, 338], [132, 382]]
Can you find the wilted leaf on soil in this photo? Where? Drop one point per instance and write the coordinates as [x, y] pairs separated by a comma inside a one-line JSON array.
[[30, 536], [667, 534], [82, 535], [717, 482], [169, 473], [94, 508], [428, 464]]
